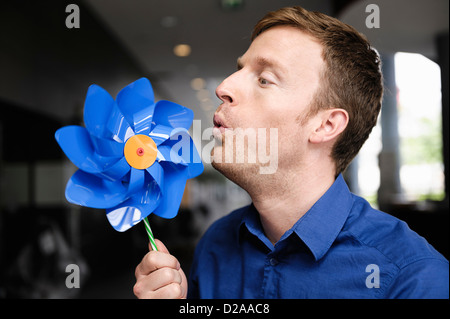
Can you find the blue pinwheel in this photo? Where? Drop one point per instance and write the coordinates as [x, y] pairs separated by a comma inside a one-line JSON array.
[[134, 155]]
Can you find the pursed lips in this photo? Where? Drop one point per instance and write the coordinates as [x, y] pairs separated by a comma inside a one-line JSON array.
[[219, 125]]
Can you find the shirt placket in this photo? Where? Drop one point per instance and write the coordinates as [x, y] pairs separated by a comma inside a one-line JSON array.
[[270, 280]]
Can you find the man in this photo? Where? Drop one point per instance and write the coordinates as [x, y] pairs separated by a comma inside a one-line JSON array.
[[318, 82]]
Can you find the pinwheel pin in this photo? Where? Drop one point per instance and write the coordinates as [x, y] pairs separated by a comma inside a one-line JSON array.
[[133, 155]]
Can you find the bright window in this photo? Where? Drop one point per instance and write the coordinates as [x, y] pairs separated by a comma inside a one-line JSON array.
[[419, 105]]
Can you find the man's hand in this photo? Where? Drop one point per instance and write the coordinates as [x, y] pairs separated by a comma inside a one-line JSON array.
[[159, 276]]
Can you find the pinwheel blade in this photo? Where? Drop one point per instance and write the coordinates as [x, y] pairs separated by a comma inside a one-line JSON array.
[[160, 133], [180, 149], [107, 147], [156, 171], [97, 110], [123, 218], [175, 178], [142, 120], [91, 191], [134, 209], [119, 126], [173, 115], [134, 98], [77, 145], [137, 180], [116, 171]]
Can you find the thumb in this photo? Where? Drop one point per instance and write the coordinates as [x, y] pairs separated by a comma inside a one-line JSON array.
[[160, 246]]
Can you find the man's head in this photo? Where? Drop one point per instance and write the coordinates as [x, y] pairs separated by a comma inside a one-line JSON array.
[[351, 79], [314, 79]]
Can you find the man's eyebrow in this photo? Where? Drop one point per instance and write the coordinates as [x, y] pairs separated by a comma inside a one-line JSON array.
[[262, 62], [266, 63]]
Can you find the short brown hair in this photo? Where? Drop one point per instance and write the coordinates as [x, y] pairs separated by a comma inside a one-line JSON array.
[[352, 79]]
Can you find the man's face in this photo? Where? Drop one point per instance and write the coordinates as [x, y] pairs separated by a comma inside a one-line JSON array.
[[273, 88]]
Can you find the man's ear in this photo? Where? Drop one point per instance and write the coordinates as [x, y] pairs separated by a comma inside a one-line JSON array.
[[330, 123]]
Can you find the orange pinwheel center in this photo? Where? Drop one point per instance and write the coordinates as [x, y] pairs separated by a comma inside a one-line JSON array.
[[140, 151]]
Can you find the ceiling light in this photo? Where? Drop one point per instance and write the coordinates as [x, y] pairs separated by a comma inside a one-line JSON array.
[[182, 50], [197, 84]]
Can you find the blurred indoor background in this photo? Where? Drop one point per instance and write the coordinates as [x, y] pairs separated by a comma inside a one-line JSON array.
[[186, 48]]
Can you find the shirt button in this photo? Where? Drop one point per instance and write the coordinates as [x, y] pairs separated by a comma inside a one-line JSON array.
[[273, 261]]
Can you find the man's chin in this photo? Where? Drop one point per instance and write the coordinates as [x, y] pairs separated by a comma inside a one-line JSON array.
[[230, 171], [240, 173]]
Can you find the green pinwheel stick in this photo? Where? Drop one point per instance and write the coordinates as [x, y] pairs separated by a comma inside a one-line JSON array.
[[150, 234]]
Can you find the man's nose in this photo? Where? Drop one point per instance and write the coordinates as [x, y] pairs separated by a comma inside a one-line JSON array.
[[225, 92]]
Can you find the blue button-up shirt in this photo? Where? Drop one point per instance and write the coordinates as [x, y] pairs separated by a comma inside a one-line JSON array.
[[341, 248]]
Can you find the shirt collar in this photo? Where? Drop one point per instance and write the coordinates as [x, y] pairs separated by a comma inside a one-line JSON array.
[[321, 224], [252, 223]]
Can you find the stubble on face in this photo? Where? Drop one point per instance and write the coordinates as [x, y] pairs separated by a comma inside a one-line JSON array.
[[231, 159]]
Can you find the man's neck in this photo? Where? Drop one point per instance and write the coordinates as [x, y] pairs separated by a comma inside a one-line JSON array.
[[286, 199]]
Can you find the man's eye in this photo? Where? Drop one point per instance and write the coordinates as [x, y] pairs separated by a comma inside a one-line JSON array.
[[263, 81]]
